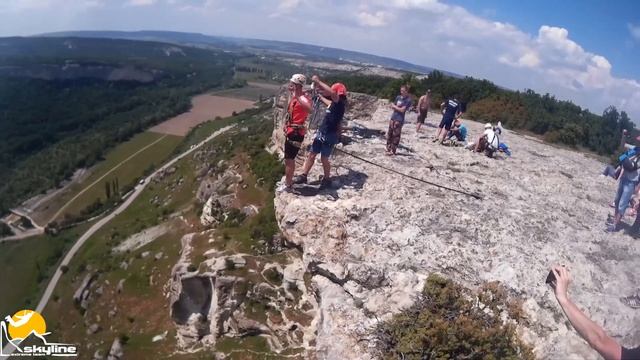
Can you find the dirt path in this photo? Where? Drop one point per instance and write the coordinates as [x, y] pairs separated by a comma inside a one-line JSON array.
[[204, 108], [59, 212]]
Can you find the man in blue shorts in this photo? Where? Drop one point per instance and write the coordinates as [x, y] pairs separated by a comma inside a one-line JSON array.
[[335, 98], [451, 110]]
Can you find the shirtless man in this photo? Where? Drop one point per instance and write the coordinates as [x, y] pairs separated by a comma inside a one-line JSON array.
[[424, 103]]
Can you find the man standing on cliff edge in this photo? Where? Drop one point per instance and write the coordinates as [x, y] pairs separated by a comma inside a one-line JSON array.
[[335, 98]]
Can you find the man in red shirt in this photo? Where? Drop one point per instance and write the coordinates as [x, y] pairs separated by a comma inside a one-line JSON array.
[[294, 128]]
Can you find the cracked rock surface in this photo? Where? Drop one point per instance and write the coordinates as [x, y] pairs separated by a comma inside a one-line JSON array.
[[372, 239]]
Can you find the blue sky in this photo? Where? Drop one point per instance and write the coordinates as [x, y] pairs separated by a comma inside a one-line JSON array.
[[583, 51], [600, 26]]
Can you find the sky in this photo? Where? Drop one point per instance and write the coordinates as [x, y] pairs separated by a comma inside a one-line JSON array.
[[585, 51]]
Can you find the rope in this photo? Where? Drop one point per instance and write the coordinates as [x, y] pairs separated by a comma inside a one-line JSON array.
[[476, 196]]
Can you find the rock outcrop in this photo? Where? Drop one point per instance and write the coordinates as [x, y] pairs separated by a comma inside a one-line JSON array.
[[239, 295], [370, 241]]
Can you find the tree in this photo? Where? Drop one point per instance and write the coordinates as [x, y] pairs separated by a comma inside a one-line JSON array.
[[107, 189]]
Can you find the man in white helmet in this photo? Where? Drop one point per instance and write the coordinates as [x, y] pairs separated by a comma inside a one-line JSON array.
[[294, 128]]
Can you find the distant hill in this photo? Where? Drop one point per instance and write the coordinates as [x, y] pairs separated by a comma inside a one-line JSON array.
[[257, 46], [65, 101]]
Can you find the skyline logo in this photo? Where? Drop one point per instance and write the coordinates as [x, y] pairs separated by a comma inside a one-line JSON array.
[[28, 324]]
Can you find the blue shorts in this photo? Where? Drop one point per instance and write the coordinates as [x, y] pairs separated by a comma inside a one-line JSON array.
[[323, 144]]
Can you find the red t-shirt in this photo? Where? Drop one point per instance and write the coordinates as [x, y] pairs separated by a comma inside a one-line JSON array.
[[297, 116]]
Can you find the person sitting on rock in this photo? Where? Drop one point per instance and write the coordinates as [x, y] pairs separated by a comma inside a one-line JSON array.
[[488, 141], [458, 130], [294, 128], [400, 106], [335, 98], [597, 338]]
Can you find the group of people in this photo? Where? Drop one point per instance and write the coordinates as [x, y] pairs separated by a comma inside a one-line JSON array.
[[451, 127], [334, 98]]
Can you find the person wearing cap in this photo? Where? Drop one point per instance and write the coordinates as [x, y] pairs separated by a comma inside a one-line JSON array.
[[294, 128], [488, 140], [335, 98], [451, 110], [400, 106], [424, 103]]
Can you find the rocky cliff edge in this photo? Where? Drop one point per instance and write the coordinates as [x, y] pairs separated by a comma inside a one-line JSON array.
[[372, 239]]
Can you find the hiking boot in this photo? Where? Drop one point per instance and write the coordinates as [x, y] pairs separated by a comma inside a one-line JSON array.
[[300, 179]]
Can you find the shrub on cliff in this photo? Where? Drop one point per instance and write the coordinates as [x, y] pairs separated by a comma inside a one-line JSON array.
[[451, 322]]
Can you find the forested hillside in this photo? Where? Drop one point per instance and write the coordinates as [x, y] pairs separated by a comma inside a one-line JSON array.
[[557, 121], [65, 101]]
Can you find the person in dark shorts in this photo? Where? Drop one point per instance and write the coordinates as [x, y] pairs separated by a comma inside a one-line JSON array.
[[424, 103], [451, 110], [400, 106], [335, 98], [604, 344], [294, 128]]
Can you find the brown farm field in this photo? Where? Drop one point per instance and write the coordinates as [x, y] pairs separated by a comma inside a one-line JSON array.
[[205, 107]]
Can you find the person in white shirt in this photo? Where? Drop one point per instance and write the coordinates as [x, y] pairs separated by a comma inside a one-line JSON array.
[[488, 140]]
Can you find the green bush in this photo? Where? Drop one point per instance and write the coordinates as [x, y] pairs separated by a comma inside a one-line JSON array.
[[451, 322]]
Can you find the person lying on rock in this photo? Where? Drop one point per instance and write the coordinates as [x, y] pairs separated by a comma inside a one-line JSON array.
[[294, 128], [488, 141], [400, 106], [328, 134], [597, 338]]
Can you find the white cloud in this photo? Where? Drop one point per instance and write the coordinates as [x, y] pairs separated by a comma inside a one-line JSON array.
[[140, 2], [634, 30], [288, 5], [426, 32], [379, 18]]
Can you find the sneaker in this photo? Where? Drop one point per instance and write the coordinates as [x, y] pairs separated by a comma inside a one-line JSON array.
[[300, 179], [632, 301], [613, 228], [284, 188]]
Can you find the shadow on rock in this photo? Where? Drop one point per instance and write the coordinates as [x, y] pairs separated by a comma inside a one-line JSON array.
[[352, 179]]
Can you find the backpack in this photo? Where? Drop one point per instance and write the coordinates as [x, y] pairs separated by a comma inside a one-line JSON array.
[[630, 163]]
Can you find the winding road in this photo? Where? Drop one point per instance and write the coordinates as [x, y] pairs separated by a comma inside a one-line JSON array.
[[97, 226]]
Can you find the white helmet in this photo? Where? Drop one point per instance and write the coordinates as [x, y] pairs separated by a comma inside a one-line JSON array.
[[298, 79]]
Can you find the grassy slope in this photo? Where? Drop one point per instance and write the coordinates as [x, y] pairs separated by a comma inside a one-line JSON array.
[[142, 308], [27, 266], [127, 173]]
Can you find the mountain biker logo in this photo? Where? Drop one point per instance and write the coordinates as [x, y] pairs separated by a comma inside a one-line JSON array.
[[28, 324]]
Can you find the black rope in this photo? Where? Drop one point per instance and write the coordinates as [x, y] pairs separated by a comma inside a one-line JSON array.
[[476, 196]]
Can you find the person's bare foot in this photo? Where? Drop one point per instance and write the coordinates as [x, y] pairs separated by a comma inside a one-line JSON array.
[[388, 153]]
